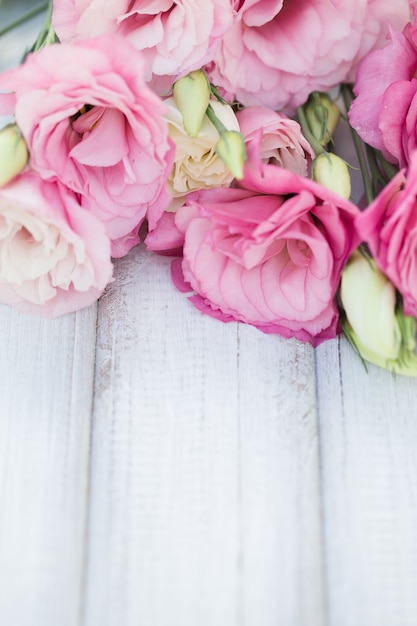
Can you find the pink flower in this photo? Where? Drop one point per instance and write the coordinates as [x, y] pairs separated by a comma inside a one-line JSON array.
[[268, 254], [384, 112], [281, 139], [389, 226], [175, 36], [276, 54], [55, 256], [91, 122]]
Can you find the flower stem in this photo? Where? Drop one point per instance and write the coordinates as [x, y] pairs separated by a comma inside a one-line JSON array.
[[24, 18], [218, 125], [47, 34], [359, 148], [378, 178], [389, 169]]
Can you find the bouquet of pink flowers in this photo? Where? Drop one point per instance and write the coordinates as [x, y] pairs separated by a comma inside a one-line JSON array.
[[205, 130]]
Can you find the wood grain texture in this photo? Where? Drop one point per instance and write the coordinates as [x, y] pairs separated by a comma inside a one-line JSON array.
[[46, 390], [204, 505], [368, 425]]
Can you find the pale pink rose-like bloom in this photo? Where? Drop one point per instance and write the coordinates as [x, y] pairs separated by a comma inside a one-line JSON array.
[[175, 36], [281, 139], [91, 122], [269, 253], [55, 255], [277, 53], [389, 227], [384, 112]]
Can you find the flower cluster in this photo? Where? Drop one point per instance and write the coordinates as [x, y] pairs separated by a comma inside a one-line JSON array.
[[205, 130]]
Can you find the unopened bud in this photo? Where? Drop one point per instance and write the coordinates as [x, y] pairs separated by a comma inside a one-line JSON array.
[[192, 95], [323, 116], [13, 153], [332, 172], [380, 334], [232, 151], [368, 298]]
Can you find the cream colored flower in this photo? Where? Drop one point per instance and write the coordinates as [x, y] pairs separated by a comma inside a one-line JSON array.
[[196, 164]]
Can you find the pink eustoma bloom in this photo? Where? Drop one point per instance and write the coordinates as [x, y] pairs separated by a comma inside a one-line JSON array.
[[175, 37], [279, 138], [277, 53], [91, 122], [54, 255], [389, 227], [384, 112], [269, 253]]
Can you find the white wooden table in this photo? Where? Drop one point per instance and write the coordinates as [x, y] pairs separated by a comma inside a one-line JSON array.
[[160, 468]]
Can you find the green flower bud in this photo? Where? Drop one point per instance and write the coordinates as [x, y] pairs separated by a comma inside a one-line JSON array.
[[332, 172], [192, 95], [13, 153], [323, 116], [379, 333], [368, 298], [232, 151]]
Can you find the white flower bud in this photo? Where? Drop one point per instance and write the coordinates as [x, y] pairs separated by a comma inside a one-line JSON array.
[[323, 116], [332, 172], [192, 96], [368, 298], [232, 151], [13, 153]]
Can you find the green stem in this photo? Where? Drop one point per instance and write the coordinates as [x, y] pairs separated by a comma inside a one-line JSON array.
[[389, 169], [316, 145], [24, 18], [218, 125], [47, 34], [378, 179], [360, 153]]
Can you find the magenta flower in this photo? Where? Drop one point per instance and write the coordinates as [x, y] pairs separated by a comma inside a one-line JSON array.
[[269, 253], [384, 112], [389, 226]]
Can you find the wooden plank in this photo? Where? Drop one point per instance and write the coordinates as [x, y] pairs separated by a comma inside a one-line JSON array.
[[368, 431], [281, 510], [46, 384], [205, 505]]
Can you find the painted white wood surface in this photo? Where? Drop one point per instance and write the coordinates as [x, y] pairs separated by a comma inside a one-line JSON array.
[[368, 444], [160, 468], [205, 487]]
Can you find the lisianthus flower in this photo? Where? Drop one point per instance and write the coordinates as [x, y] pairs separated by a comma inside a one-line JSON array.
[[389, 227], [281, 139], [277, 53], [269, 253], [54, 255], [174, 36], [384, 112], [196, 166], [91, 122]]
